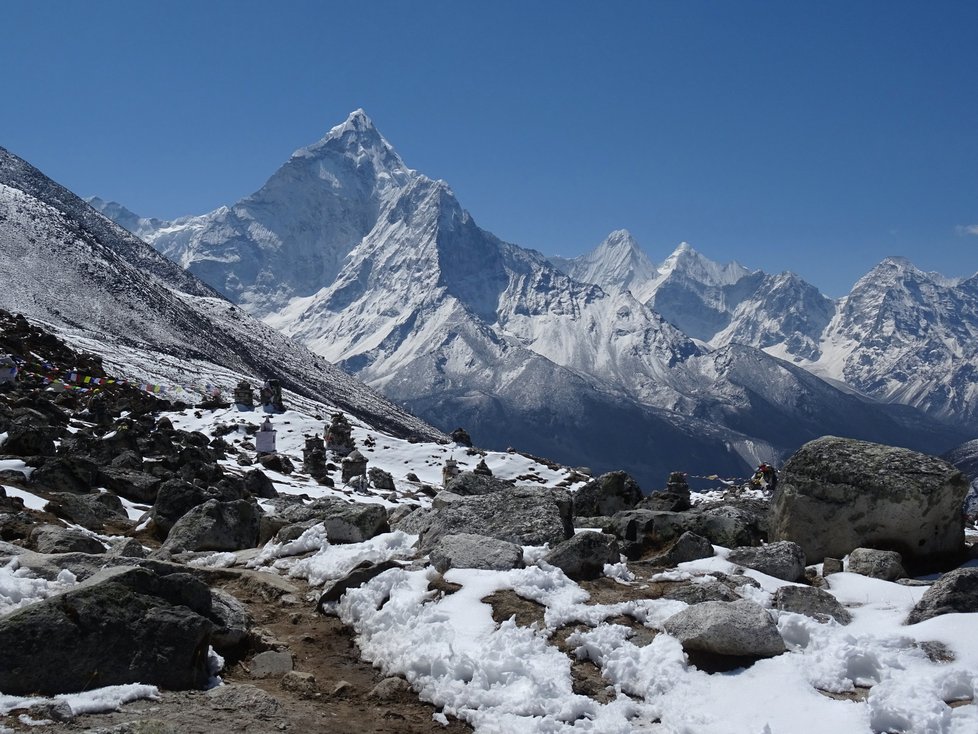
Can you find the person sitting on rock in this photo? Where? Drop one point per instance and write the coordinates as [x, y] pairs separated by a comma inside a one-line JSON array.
[[765, 477]]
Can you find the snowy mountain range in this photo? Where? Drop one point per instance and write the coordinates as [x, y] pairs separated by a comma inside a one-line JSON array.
[[604, 360], [900, 336]]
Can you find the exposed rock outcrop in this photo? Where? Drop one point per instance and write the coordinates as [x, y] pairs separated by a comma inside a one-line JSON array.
[[134, 627], [740, 628], [466, 550], [838, 494], [955, 591]]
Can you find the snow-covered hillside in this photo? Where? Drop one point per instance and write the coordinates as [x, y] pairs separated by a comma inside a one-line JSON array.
[[569, 655], [107, 291]]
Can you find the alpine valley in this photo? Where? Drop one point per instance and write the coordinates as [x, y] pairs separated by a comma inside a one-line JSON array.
[[605, 360]]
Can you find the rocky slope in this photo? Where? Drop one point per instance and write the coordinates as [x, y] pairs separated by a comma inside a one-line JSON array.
[[120, 524], [101, 287]]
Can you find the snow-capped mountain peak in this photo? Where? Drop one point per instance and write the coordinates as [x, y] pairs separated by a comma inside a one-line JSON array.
[[691, 264], [618, 262], [291, 236], [358, 139]]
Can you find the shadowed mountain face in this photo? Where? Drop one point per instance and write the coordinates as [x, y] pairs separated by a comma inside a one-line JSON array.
[[380, 269]]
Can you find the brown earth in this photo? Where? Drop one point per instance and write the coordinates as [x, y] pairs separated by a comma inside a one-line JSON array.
[[342, 699]]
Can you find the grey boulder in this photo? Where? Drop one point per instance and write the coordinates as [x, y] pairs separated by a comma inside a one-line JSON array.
[[689, 547], [954, 592], [837, 494], [610, 493], [134, 627], [91, 511], [783, 560], [584, 555], [466, 550], [216, 526], [878, 564], [345, 522], [56, 539], [740, 628], [521, 515], [811, 602]]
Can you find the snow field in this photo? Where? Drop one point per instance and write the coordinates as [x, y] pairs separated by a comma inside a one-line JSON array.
[[505, 678]]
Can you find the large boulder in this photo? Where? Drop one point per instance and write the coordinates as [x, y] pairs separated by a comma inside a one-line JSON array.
[[134, 627], [955, 591], [741, 628], [345, 522], [91, 511], [783, 560], [521, 515], [469, 484], [66, 474], [466, 550], [27, 440], [811, 602], [137, 486], [610, 493], [585, 555], [216, 526], [649, 528], [257, 483], [416, 522], [878, 564], [728, 525], [837, 494], [50, 539], [174, 500]]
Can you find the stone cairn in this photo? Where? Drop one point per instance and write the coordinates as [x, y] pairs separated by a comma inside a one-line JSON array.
[[271, 397], [461, 437], [354, 465], [314, 459], [482, 469], [339, 438], [244, 396]]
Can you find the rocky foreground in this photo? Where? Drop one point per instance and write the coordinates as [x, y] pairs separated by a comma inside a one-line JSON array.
[[217, 573]]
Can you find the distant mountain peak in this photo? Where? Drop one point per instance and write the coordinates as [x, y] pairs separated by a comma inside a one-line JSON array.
[[620, 242], [618, 262], [356, 137], [357, 121], [687, 261]]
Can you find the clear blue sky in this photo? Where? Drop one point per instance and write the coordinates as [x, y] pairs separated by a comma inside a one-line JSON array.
[[817, 137]]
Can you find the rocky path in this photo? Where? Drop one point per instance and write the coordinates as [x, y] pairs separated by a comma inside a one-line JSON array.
[[332, 689]]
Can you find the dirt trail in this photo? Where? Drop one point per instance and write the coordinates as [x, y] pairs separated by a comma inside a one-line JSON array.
[[343, 699]]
